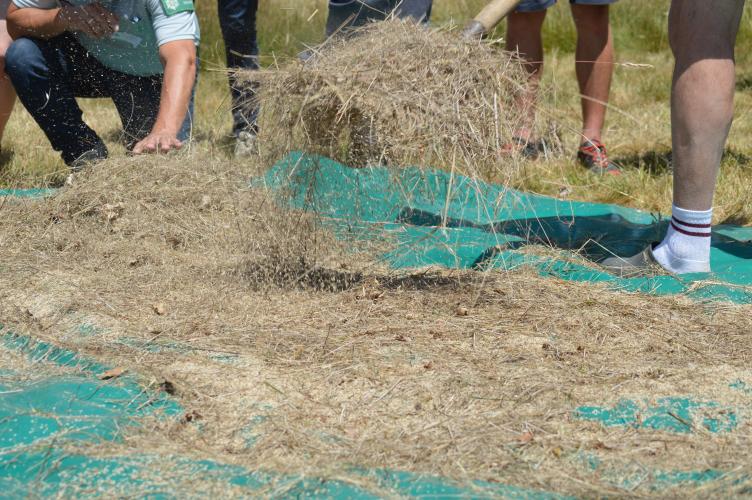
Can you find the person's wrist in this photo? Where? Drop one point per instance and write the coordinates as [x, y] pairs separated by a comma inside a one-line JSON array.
[[162, 129]]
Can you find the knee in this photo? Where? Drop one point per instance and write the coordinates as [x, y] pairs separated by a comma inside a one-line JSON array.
[[19, 55], [527, 24], [591, 18], [524, 33]]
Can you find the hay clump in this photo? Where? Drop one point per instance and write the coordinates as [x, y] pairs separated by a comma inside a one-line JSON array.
[[398, 94]]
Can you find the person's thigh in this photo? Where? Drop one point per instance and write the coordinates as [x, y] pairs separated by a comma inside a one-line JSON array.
[[534, 5], [58, 62], [237, 20]]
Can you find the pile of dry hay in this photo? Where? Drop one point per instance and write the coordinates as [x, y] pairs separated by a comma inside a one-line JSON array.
[[395, 93], [269, 329]]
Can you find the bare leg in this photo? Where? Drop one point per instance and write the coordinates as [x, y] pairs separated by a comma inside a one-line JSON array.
[[7, 93], [702, 106], [702, 36], [595, 65], [524, 37]]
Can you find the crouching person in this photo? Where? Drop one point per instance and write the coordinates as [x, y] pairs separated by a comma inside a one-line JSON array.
[[139, 53]]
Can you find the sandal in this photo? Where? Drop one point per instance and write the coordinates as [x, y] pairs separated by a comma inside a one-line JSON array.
[[592, 155]]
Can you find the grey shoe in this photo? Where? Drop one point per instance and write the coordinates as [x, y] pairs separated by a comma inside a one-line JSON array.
[[642, 264], [246, 144]]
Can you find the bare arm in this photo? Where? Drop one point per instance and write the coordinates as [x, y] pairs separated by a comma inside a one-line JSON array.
[[92, 19], [179, 60], [39, 23]]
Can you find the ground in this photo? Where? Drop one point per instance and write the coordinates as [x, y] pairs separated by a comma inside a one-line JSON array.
[[292, 352]]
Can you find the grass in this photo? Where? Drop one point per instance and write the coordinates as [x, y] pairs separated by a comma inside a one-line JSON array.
[[638, 133]]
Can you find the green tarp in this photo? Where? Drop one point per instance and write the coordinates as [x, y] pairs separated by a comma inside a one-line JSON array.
[[53, 405], [47, 419], [436, 218]]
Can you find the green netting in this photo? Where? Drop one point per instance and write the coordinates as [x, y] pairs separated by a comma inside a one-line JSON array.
[[444, 219], [27, 192], [681, 415], [45, 419]]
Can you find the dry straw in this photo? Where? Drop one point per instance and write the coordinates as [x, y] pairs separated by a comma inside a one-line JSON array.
[[292, 353], [398, 94]]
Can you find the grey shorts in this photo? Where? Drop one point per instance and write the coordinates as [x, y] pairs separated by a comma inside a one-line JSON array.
[[539, 5]]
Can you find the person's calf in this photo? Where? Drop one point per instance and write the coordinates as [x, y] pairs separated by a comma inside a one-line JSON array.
[[594, 66], [524, 39]]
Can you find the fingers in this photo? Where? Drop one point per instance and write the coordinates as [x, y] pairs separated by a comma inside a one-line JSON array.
[[161, 144], [170, 143], [138, 148], [108, 19], [103, 22]]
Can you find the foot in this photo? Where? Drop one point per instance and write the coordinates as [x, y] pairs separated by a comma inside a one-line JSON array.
[[642, 264], [592, 155], [526, 148], [246, 144]]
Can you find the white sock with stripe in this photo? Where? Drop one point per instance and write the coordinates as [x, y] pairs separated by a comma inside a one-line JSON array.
[[686, 247]]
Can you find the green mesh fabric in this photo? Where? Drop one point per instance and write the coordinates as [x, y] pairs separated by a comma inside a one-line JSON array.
[[439, 219]]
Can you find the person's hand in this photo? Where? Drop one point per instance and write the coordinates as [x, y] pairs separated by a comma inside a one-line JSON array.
[[157, 142], [91, 19]]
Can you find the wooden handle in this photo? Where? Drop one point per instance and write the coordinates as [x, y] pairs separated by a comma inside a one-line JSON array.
[[490, 16]]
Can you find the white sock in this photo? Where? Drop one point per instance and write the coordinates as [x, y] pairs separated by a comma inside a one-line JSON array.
[[686, 247]]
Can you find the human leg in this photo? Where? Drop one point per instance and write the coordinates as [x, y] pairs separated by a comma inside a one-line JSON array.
[[346, 14], [594, 65], [417, 10], [48, 75], [7, 92], [702, 36], [524, 38], [237, 19]]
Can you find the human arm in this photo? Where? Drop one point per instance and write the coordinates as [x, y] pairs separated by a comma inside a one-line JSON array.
[[179, 61], [40, 22]]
